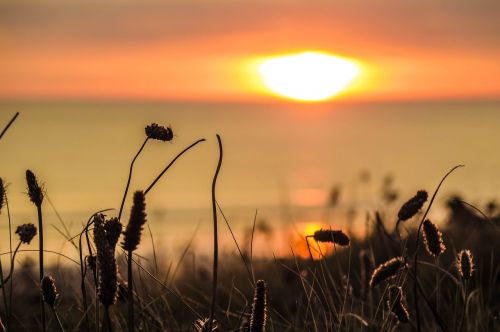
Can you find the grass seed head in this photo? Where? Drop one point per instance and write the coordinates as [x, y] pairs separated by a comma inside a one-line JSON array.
[[113, 228], [132, 234], [337, 237], [160, 133], [412, 206], [26, 232], [386, 270], [433, 239], [35, 191], [106, 262], [397, 305], [465, 264], [259, 308], [49, 291]]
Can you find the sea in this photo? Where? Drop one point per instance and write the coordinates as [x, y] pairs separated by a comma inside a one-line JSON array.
[[288, 169]]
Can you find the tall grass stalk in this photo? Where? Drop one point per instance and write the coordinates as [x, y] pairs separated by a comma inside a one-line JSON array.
[[417, 246], [2, 201], [132, 238], [83, 268], [36, 195], [40, 255], [216, 243], [11, 260], [4, 294]]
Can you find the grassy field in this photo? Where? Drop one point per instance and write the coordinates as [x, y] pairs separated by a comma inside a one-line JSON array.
[[404, 275]]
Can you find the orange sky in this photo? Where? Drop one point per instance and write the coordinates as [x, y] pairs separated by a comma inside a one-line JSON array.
[[197, 50]]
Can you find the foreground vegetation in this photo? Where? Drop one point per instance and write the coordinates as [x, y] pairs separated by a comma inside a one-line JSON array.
[[403, 275]]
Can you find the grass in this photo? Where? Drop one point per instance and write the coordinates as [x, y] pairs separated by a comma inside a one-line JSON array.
[[388, 280]]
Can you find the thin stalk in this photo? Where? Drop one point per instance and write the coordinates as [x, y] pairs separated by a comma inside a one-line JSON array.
[[130, 321], [82, 284], [11, 262], [9, 124], [107, 316], [309, 247], [216, 243], [417, 245], [4, 295], [9, 277], [130, 176], [436, 273], [59, 323], [170, 164], [40, 255], [438, 318], [462, 320], [236, 242]]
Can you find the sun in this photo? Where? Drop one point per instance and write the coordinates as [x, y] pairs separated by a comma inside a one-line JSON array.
[[308, 76]]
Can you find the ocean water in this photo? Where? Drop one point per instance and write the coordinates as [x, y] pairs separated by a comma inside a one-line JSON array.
[[280, 160]]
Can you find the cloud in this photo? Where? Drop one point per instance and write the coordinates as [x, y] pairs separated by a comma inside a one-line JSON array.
[[454, 24]]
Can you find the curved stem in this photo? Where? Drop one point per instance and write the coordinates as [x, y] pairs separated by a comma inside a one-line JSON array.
[[9, 277], [171, 163], [417, 244], [130, 176], [47, 251], [216, 243]]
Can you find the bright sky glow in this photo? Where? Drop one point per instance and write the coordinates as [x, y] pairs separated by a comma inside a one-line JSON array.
[[308, 76]]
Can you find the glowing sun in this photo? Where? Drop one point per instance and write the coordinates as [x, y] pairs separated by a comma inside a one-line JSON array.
[[308, 76]]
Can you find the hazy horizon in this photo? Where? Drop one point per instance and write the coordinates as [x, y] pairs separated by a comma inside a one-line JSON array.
[[280, 156]]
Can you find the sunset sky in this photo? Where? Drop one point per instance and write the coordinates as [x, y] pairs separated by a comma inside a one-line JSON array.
[[205, 50]]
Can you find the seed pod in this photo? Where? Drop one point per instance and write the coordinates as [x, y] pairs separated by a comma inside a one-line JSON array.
[[465, 264], [387, 270], [26, 232], [433, 239], [259, 308], [412, 206], [35, 191], [49, 291], [113, 228], [397, 305], [106, 262], [154, 131], [132, 234], [337, 237]]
